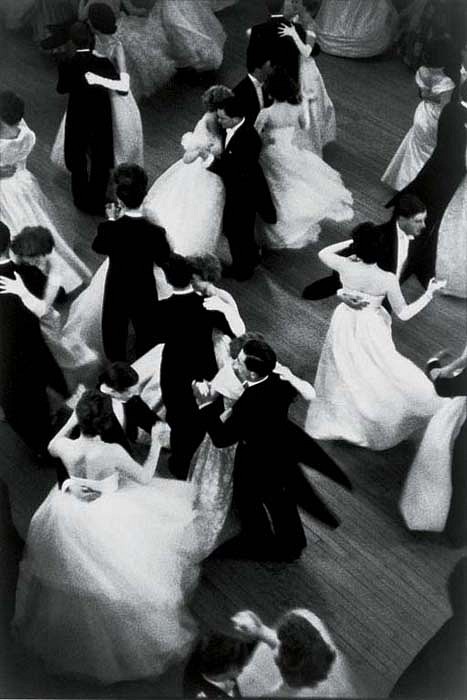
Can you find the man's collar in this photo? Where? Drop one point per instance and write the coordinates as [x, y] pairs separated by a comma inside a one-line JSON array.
[[226, 686], [83, 50], [248, 384], [277, 16], [187, 290], [255, 80], [400, 233], [134, 213], [233, 129], [5, 261]]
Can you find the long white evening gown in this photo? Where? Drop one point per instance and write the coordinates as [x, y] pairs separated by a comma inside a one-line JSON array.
[[196, 37], [420, 141], [127, 127], [426, 495], [305, 190], [103, 586], [367, 393], [22, 203], [451, 255], [188, 200], [319, 113], [356, 28]]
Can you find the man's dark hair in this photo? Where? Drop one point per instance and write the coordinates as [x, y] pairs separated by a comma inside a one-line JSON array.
[[409, 205], [237, 344], [208, 267], [33, 241], [304, 657], [274, 7], [5, 238], [102, 18], [178, 271], [119, 376], [233, 107], [11, 107], [218, 654], [81, 36], [259, 357], [367, 242], [131, 184]]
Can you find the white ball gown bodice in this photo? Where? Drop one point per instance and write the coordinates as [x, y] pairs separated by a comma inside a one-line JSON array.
[[356, 28], [22, 203], [367, 393], [420, 141], [305, 190], [188, 200], [103, 585]]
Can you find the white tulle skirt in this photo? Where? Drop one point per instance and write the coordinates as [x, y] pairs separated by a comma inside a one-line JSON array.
[[451, 256], [426, 496], [305, 191], [320, 116], [188, 201], [22, 203], [368, 394], [356, 28], [103, 586]]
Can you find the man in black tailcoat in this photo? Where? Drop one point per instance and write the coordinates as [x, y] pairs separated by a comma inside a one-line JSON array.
[[246, 189], [133, 245], [258, 422], [88, 127]]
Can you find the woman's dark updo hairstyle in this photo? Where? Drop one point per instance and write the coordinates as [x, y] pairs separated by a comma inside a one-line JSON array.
[[102, 18], [237, 344], [214, 96], [33, 241], [208, 267], [94, 413], [281, 87], [439, 53], [11, 108], [131, 184], [367, 242]]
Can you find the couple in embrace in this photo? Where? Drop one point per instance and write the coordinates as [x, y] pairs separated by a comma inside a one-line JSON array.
[[218, 185]]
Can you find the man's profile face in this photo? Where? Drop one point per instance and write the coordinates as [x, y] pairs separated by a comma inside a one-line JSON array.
[[224, 120], [413, 225]]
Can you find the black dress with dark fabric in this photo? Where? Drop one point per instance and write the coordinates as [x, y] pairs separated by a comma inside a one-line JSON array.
[[27, 367], [133, 245], [263, 493], [88, 128], [246, 193], [456, 524]]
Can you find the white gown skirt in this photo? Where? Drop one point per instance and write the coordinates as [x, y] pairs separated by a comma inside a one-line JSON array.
[[416, 147], [368, 394], [103, 586], [305, 191], [426, 496], [320, 116], [356, 28], [22, 203], [451, 256], [188, 201]]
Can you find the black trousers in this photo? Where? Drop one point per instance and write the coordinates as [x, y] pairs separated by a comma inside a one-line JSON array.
[[89, 180], [239, 229]]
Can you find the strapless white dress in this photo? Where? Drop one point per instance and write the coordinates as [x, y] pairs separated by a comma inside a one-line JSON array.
[[103, 585], [367, 393]]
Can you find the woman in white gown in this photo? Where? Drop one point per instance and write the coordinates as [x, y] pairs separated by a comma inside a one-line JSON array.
[[319, 127], [127, 127], [110, 560], [22, 202], [367, 393], [356, 28], [188, 200], [419, 143], [305, 190]]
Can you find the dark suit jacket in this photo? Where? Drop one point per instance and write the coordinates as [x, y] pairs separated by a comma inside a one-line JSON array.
[[246, 93], [137, 415], [245, 184], [266, 43], [133, 246], [186, 328], [88, 126], [260, 413]]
